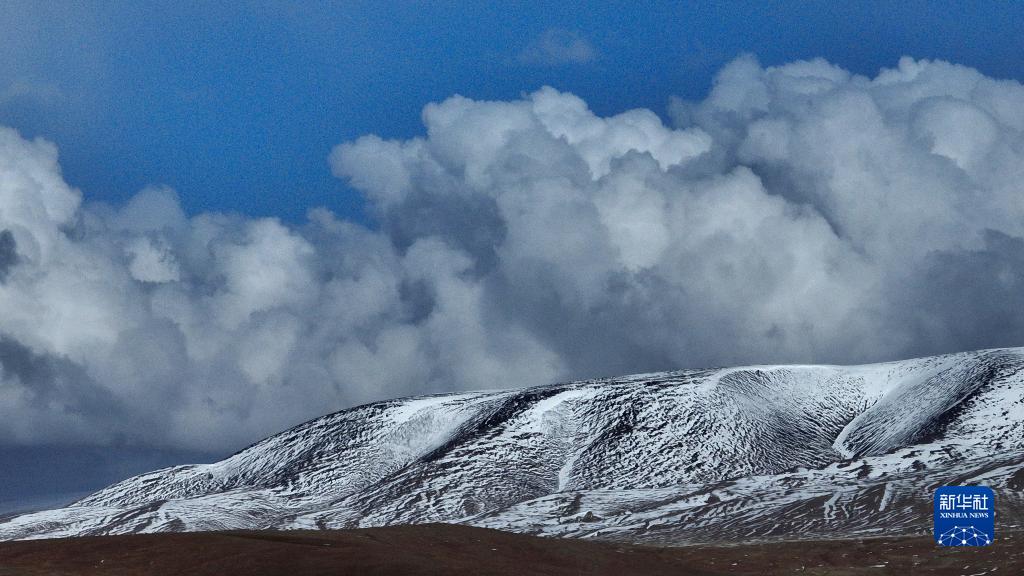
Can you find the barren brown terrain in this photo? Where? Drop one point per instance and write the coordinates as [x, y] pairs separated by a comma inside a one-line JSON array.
[[460, 550]]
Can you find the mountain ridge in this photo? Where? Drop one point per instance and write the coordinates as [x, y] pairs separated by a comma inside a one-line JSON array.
[[771, 451]]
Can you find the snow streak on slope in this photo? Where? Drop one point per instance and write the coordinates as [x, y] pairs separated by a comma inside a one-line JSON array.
[[764, 451]]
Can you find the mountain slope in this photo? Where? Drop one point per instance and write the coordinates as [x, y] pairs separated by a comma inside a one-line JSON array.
[[689, 456]]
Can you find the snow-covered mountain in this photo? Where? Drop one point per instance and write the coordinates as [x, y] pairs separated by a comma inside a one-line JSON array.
[[675, 457]]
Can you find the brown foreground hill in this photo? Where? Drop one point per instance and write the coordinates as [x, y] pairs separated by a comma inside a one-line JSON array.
[[462, 550]]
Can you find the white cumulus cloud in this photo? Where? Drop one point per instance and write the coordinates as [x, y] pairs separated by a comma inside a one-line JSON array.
[[799, 213]]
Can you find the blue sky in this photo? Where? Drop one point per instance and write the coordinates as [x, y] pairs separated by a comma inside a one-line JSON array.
[[237, 105]]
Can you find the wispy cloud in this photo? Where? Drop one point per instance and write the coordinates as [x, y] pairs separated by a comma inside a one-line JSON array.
[[41, 92], [558, 47]]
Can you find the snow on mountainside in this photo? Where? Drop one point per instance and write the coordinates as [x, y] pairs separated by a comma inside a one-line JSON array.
[[676, 457]]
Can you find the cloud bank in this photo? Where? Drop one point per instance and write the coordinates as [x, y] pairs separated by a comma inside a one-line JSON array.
[[798, 214]]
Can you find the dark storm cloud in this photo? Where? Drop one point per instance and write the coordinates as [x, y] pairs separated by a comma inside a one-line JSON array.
[[971, 299], [8, 253], [35, 372], [797, 214], [46, 383]]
